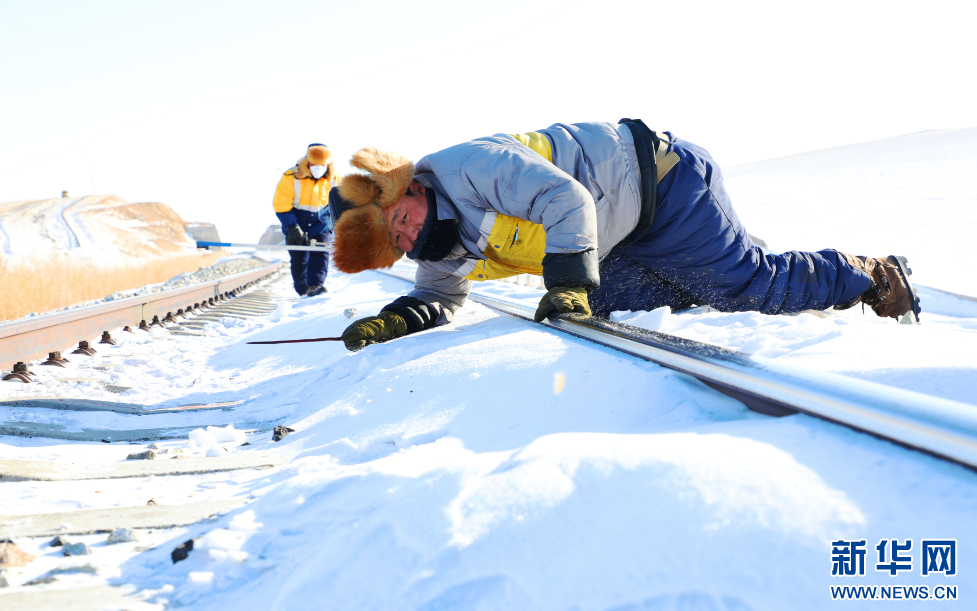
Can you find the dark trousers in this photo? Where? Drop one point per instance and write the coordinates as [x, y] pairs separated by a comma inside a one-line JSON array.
[[698, 253], [309, 267]]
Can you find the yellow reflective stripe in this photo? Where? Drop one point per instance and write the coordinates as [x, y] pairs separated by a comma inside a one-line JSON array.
[[319, 193], [538, 143], [515, 246]]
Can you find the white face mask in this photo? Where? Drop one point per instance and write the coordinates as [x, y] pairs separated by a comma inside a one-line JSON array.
[[318, 171]]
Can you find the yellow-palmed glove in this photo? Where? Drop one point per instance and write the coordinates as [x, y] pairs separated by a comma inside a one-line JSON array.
[[563, 300], [374, 329]]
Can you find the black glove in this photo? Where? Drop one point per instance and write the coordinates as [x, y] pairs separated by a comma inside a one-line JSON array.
[[373, 329], [296, 237], [562, 300]]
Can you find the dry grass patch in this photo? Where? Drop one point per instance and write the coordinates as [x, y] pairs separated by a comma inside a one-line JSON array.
[[42, 286]]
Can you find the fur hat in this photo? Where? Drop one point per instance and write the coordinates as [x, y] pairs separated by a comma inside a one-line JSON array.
[[319, 154], [362, 241]]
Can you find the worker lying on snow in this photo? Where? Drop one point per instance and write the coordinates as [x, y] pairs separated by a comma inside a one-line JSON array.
[[614, 217], [300, 202]]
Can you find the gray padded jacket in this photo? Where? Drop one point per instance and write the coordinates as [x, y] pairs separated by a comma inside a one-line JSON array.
[[587, 200]]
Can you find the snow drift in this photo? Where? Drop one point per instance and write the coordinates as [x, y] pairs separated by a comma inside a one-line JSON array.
[[910, 195]]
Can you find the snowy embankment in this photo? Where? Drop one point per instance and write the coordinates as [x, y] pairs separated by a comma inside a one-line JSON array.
[[100, 229], [450, 470], [498, 464], [912, 195]]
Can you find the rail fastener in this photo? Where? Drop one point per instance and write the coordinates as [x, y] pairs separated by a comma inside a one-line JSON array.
[[22, 373], [84, 348], [54, 359]]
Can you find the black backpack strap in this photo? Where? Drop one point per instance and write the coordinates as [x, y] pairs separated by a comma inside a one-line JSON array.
[[646, 144]]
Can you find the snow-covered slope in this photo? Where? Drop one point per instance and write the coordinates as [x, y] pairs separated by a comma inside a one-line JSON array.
[[497, 464], [912, 195], [101, 229], [452, 469]]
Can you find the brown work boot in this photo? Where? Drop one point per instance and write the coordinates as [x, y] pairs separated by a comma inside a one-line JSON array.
[[891, 294]]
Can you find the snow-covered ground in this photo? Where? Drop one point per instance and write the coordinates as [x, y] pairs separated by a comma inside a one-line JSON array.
[[498, 464], [912, 195], [448, 470]]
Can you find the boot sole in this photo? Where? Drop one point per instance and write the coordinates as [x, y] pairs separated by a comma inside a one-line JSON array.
[[903, 264]]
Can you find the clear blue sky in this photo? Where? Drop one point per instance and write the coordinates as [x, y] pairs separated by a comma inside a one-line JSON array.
[[201, 105]]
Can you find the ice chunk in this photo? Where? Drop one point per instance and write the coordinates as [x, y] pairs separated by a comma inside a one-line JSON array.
[[200, 578], [226, 434], [217, 555], [244, 521], [222, 539], [122, 535], [284, 309], [203, 439], [237, 556], [76, 549], [147, 455]]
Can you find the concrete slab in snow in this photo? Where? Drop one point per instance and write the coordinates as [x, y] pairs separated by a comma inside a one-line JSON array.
[[49, 598], [16, 470], [59, 431], [95, 405], [106, 520]]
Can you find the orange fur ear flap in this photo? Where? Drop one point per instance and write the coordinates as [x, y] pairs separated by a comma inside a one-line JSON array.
[[302, 169], [376, 160], [360, 189], [362, 241], [391, 171]]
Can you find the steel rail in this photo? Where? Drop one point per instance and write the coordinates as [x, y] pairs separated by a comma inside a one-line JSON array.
[[312, 247], [33, 338], [940, 427]]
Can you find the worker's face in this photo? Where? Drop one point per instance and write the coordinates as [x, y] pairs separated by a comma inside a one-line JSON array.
[[405, 218]]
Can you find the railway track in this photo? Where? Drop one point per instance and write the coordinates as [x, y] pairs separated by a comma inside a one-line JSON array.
[[939, 427], [37, 337]]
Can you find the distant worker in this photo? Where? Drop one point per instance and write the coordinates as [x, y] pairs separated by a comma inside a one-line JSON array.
[[301, 203], [64, 194], [612, 216]]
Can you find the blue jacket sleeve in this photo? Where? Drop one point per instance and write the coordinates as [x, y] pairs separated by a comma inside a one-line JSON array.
[[287, 218]]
